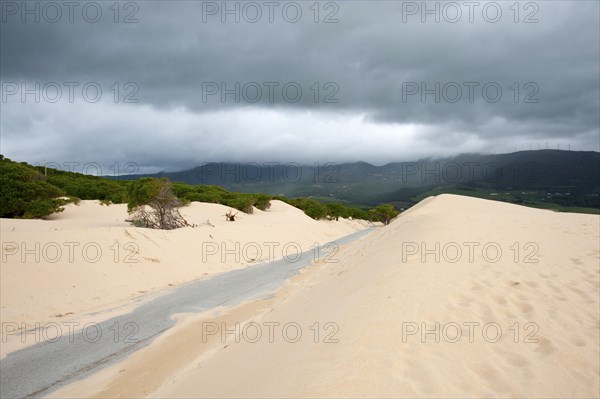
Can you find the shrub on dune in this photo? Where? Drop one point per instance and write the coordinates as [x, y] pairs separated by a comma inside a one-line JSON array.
[[153, 204], [385, 213]]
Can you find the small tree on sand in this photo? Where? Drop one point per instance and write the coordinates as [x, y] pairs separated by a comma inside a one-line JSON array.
[[385, 213], [153, 205], [336, 211]]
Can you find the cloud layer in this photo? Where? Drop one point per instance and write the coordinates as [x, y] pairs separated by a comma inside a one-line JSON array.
[[385, 82]]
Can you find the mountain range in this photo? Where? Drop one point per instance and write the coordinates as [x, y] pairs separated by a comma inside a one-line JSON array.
[[538, 178]]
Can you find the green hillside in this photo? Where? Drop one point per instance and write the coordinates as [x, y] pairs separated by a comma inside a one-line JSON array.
[[34, 192]]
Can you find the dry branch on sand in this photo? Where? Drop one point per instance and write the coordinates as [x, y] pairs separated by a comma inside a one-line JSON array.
[[230, 216]]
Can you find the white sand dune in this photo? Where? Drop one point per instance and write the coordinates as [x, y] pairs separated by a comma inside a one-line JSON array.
[[88, 258], [523, 323]]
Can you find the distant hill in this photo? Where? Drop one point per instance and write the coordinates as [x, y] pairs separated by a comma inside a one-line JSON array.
[[537, 178]]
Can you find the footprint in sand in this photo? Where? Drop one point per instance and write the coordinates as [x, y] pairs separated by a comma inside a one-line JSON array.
[[554, 288], [525, 307], [577, 341], [588, 276], [500, 300], [582, 294], [515, 359], [575, 290], [544, 346], [531, 284]]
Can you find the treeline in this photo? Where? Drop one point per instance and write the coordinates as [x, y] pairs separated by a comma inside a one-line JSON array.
[[34, 192], [319, 210], [217, 195]]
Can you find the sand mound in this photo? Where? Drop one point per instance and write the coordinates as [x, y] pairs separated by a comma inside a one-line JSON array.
[[402, 314], [88, 258], [522, 322]]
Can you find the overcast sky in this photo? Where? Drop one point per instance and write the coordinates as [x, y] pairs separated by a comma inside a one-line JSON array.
[[331, 82]]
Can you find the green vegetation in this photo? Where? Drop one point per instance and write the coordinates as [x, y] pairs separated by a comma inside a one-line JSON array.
[[385, 213], [143, 191], [26, 193], [318, 210], [312, 208], [337, 211], [158, 196], [86, 187], [217, 195], [36, 192]]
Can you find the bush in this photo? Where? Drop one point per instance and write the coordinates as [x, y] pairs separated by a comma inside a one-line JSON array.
[[26, 193], [356, 213], [385, 213], [159, 197], [211, 194], [315, 209], [40, 209], [143, 191], [263, 202], [241, 202], [337, 211], [87, 187]]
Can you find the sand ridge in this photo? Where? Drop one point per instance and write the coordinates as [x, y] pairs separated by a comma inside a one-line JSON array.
[[395, 321]]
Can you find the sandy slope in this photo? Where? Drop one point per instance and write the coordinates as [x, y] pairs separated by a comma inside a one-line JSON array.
[[379, 294], [88, 258]]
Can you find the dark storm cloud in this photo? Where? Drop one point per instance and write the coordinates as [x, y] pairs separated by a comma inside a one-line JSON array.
[[368, 58]]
